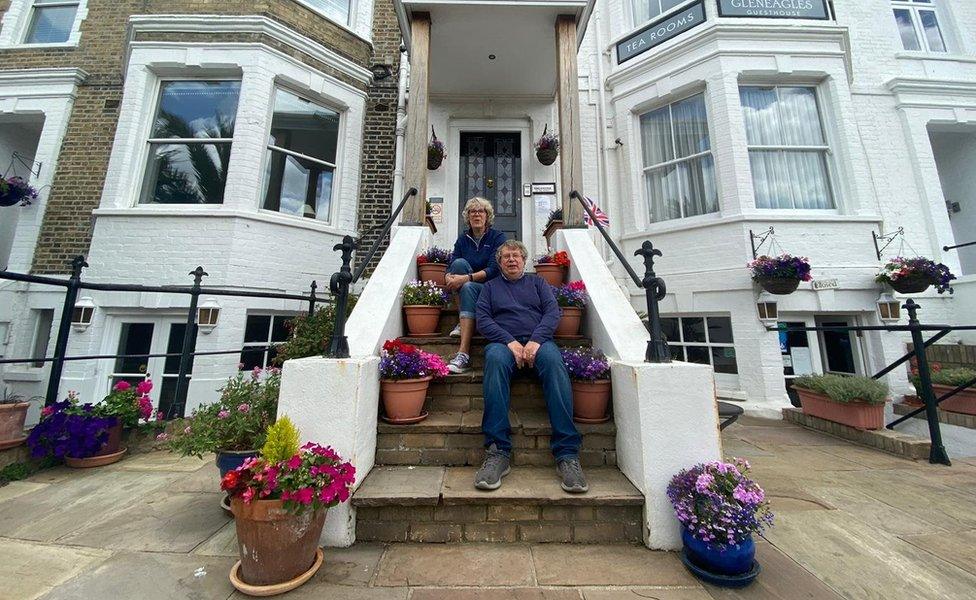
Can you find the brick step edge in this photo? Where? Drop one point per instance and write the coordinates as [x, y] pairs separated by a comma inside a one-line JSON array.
[[500, 523], [892, 442], [472, 457], [945, 416]]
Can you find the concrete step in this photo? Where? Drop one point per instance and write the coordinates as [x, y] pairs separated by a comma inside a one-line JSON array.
[[441, 504], [446, 346], [463, 392], [454, 438]]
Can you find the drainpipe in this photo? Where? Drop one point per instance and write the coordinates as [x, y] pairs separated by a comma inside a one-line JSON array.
[[401, 123], [603, 157]]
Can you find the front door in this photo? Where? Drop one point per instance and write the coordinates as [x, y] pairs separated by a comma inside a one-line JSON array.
[[491, 167]]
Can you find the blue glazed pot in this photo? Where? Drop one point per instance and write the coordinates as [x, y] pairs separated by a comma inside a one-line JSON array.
[[228, 460], [733, 560]]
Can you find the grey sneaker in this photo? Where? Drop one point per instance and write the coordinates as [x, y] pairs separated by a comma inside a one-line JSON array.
[[494, 467], [456, 332], [460, 363], [571, 472]]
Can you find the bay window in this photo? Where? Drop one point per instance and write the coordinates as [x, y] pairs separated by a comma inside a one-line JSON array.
[[679, 171], [51, 21], [787, 147], [302, 157], [190, 143], [918, 25]]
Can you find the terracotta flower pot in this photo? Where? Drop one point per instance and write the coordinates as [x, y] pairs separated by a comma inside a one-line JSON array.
[[912, 284], [570, 322], [275, 546], [964, 402], [403, 399], [422, 320], [779, 286], [113, 443], [110, 452], [554, 275], [432, 272], [12, 418], [859, 415], [590, 400]]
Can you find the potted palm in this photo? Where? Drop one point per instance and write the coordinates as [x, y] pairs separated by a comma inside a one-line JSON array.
[[853, 401], [547, 148], [432, 265], [719, 509], [915, 275], [572, 299], [13, 414], [553, 267], [422, 304], [589, 372], [405, 374], [280, 501], [780, 275]]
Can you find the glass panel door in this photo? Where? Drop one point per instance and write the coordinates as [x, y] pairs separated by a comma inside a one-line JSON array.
[[139, 340], [839, 348]]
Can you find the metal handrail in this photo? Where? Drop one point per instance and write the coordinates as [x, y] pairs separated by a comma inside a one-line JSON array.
[[947, 248], [653, 286]]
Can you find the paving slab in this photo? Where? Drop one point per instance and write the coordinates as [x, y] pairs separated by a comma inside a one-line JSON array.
[[167, 523], [872, 511], [604, 565], [867, 457], [646, 593], [151, 576], [958, 548], [540, 485], [19, 488], [772, 438], [222, 543], [314, 591], [403, 486], [494, 594], [470, 565], [781, 579], [206, 478], [29, 569], [163, 461]]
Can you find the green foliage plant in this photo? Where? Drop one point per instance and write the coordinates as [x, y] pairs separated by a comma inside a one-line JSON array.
[[282, 441], [310, 335], [844, 390], [953, 377]]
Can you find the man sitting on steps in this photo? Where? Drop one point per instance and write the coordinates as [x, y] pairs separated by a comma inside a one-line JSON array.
[[518, 314]]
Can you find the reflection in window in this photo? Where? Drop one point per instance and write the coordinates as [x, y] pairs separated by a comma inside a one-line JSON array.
[[918, 25], [645, 10], [51, 21], [189, 148], [261, 332], [702, 340], [301, 165]]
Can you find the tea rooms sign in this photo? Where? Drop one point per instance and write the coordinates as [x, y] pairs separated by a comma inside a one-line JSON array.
[[775, 9], [661, 31]]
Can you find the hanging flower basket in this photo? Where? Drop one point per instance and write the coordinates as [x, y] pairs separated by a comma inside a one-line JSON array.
[[915, 275], [547, 148], [780, 275], [778, 285], [435, 152], [14, 190]]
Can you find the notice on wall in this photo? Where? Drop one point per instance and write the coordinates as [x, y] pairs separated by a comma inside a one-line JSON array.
[[802, 361], [661, 31], [437, 209], [775, 9], [544, 204]]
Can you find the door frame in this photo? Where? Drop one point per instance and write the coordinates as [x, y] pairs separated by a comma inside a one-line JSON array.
[[857, 345], [452, 183]]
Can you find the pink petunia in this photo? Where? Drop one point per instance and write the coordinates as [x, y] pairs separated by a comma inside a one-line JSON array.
[[144, 387], [122, 386], [295, 462]]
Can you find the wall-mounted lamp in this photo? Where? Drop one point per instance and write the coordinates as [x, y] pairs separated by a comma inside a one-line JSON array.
[[888, 308], [766, 305], [83, 313], [381, 71], [207, 315]]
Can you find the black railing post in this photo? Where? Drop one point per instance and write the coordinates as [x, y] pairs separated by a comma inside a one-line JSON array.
[[654, 290], [64, 328], [339, 286], [186, 354], [938, 452], [311, 298]]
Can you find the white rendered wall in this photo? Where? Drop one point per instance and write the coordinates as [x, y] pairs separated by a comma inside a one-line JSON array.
[[955, 156]]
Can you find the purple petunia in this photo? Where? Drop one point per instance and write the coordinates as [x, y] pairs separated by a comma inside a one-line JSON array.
[[586, 364], [781, 267]]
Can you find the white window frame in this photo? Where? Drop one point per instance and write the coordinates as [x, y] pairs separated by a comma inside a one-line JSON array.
[[265, 344], [707, 343], [269, 148], [353, 5], [915, 8], [633, 12], [36, 341], [16, 22], [677, 161]]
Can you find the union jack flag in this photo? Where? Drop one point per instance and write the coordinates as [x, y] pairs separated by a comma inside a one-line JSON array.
[[601, 216]]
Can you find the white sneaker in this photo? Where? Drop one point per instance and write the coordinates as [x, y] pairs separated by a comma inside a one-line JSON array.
[[460, 363], [456, 332]]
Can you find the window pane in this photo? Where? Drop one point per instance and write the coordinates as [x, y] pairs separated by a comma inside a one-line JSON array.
[[839, 348], [719, 330], [761, 116], [251, 358], [699, 195], [669, 327], [174, 345], [693, 329], [806, 173], [197, 109], [279, 331], [256, 329], [663, 193], [42, 335], [799, 117], [677, 353], [903, 19], [298, 187], [51, 25], [656, 137], [698, 354], [304, 127], [187, 173], [723, 360], [337, 10], [932, 33], [136, 338], [690, 126], [167, 395]]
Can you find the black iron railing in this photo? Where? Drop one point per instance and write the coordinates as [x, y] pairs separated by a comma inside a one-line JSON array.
[[937, 454], [947, 248], [75, 283], [345, 277], [653, 286]]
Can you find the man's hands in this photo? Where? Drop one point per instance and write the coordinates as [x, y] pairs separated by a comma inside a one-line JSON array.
[[524, 355], [455, 282]]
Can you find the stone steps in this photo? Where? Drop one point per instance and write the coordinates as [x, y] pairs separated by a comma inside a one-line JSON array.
[[454, 439], [441, 504], [446, 346]]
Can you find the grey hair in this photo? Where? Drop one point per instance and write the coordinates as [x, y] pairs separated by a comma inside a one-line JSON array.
[[479, 202], [511, 244]]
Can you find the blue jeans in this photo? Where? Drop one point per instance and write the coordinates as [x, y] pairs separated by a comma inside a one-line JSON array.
[[469, 291], [499, 366]]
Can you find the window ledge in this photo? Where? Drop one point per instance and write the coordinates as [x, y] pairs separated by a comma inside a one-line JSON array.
[[36, 374], [39, 46], [941, 56], [189, 211], [713, 220]]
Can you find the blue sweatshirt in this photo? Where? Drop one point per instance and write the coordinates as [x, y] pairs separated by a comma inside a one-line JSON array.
[[480, 254], [524, 308]]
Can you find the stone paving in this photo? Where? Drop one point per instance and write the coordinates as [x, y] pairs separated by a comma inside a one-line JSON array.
[[851, 523]]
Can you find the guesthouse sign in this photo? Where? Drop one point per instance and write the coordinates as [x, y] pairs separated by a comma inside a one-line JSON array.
[[775, 9], [661, 31]]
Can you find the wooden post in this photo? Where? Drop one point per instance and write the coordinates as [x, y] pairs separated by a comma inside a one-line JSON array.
[[418, 131], [570, 142]]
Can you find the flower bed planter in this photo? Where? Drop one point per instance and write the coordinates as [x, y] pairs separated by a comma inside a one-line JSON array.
[[859, 415], [12, 418], [435, 272], [780, 286], [569, 323], [590, 401], [403, 399], [422, 320], [911, 284], [554, 275], [964, 402]]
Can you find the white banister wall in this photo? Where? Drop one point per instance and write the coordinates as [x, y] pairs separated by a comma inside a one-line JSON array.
[[335, 401], [666, 414]]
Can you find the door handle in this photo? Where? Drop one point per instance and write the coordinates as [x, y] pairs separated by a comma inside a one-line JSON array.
[[490, 183]]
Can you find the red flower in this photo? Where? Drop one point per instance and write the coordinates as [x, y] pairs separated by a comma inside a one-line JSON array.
[[230, 481], [422, 259], [561, 258]]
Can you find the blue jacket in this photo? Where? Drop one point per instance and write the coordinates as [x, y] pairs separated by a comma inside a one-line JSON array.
[[480, 254], [524, 308]]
